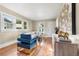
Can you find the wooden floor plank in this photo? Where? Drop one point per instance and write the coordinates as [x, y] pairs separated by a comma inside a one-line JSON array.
[[10, 50], [44, 50]]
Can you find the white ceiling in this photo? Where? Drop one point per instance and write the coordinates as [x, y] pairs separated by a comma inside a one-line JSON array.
[[36, 11]]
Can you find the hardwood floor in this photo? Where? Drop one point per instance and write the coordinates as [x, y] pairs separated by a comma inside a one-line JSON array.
[[9, 50], [44, 50]]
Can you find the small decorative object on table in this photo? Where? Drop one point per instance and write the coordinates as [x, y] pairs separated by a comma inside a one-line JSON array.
[[63, 36]]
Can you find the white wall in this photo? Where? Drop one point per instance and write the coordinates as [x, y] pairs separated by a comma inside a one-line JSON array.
[[49, 26], [77, 18], [17, 16], [12, 35]]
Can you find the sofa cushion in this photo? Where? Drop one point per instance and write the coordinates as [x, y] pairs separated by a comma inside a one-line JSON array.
[[26, 40], [28, 46]]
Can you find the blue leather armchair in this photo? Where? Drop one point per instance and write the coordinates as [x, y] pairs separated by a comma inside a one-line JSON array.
[[26, 41]]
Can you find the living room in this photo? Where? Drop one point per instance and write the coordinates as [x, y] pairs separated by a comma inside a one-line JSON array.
[[41, 20]]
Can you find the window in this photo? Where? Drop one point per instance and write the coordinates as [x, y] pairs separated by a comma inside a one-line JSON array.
[[18, 28], [25, 25], [18, 22], [7, 24]]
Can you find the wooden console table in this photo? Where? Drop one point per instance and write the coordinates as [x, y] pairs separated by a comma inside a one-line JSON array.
[[65, 49]]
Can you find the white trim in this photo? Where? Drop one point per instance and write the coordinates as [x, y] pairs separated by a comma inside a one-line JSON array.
[[7, 43]]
